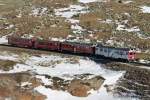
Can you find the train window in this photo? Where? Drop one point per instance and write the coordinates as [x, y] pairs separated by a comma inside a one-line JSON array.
[[101, 49], [121, 53], [130, 53], [105, 50], [116, 52]]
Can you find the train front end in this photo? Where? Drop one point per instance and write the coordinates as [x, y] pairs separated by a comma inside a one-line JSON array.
[[132, 55]]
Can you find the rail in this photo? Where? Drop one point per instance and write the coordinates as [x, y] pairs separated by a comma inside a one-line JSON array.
[[102, 59]]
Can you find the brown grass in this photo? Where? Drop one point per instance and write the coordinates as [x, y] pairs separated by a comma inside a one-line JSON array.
[[91, 21], [6, 65], [46, 26], [56, 27], [53, 3], [143, 56]]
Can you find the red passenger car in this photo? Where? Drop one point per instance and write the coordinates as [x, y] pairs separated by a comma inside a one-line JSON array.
[[47, 45], [20, 42], [68, 47], [84, 49]]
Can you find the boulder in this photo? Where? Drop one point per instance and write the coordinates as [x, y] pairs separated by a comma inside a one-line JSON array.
[[80, 87]]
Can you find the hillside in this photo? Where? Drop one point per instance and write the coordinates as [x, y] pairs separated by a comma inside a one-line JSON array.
[[40, 75]]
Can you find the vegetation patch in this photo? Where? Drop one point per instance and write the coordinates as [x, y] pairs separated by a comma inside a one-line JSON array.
[[6, 65]]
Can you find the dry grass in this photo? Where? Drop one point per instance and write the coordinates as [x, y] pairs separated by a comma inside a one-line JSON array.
[[55, 27], [145, 56], [43, 26], [91, 21], [6, 65], [46, 26], [58, 32], [132, 40], [26, 24], [9, 5], [53, 3]]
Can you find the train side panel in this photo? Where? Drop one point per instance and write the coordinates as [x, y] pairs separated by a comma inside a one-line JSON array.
[[67, 47], [53, 45], [112, 53], [40, 44], [20, 42], [47, 45], [84, 49]]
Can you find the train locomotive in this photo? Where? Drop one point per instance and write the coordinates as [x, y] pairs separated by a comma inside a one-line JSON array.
[[76, 48]]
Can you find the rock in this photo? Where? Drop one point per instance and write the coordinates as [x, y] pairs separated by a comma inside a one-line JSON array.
[[79, 87], [59, 83], [109, 88], [30, 96], [95, 82], [10, 87], [4, 92], [119, 1]]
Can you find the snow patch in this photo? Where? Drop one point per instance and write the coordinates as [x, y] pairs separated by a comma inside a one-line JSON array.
[[44, 80], [25, 84], [89, 1], [73, 21], [145, 9], [39, 11], [66, 70], [6, 56], [107, 21], [144, 61], [27, 36], [53, 94], [3, 40], [70, 11], [77, 29], [127, 2], [10, 26], [123, 28]]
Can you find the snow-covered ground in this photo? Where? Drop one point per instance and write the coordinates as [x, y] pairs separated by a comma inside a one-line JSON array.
[[89, 1], [127, 2], [54, 65], [145, 9], [3, 40], [77, 29], [39, 11], [70, 11], [61, 66], [123, 28]]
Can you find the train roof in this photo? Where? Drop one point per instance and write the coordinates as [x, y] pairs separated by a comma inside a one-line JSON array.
[[118, 48], [39, 40], [78, 43]]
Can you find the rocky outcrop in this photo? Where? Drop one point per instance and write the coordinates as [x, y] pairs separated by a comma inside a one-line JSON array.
[[10, 87], [81, 87], [136, 81]]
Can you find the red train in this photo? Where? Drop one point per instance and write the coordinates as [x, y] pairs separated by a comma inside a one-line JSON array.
[[77, 48], [52, 45]]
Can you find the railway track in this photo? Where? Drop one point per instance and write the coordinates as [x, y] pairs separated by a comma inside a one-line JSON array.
[[101, 59]]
